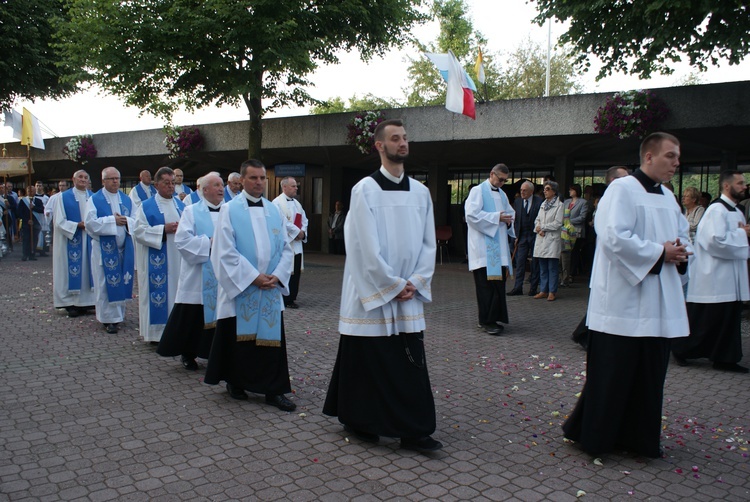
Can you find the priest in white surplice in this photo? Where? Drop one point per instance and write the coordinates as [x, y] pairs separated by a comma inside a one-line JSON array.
[[71, 262], [295, 221], [181, 190], [109, 222], [489, 217], [380, 385], [718, 281], [636, 307], [158, 260], [144, 190], [190, 327], [252, 261]]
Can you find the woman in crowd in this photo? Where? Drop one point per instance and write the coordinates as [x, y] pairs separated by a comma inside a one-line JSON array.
[[574, 219], [548, 244], [693, 210]]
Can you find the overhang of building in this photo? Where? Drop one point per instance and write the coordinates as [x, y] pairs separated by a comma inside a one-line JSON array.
[[711, 121]]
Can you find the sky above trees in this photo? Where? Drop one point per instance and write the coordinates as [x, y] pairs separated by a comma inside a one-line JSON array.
[[505, 24]]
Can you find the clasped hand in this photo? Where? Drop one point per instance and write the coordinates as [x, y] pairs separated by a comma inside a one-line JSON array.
[[265, 281], [675, 252], [407, 293]]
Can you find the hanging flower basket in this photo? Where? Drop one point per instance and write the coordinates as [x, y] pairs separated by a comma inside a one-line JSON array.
[[80, 149], [182, 140], [361, 130], [630, 114]]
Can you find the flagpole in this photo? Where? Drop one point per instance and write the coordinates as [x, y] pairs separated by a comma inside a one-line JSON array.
[[31, 200]]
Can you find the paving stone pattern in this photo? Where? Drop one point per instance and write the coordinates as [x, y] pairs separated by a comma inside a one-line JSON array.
[[91, 416]]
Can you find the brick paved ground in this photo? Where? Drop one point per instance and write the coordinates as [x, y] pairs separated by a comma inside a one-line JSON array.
[[91, 416]]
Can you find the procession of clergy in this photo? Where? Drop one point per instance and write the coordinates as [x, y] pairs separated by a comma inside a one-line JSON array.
[[215, 267]]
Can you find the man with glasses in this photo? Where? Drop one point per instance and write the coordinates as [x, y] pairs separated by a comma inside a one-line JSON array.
[[158, 258], [109, 221], [490, 217]]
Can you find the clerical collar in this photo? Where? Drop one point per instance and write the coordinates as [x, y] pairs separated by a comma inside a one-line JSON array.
[[391, 177], [649, 185], [213, 207], [289, 200], [493, 188], [253, 201], [728, 201]]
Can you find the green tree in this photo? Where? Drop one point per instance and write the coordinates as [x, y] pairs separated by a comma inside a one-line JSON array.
[[160, 55], [521, 74], [457, 34], [355, 104], [28, 66], [643, 37], [524, 74]]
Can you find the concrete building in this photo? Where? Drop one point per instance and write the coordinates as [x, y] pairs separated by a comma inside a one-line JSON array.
[[534, 137]]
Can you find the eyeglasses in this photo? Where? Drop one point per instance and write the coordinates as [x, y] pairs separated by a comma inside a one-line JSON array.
[[501, 180], [546, 189]]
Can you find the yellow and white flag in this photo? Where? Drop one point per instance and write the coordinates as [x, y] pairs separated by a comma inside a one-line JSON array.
[[479, 67], [31, 134]]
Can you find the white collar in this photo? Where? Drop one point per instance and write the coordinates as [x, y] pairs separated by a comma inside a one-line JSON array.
[[250, 197], [391, 177], [728, 200]]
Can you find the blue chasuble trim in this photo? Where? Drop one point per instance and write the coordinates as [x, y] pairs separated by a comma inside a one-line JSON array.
[[158, 265], [142, 193], [494, 259], [204, 225], [118, 266], [75, 245], [258, 310]]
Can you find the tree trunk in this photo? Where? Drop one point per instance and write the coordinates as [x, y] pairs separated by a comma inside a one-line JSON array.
[[255, 112]]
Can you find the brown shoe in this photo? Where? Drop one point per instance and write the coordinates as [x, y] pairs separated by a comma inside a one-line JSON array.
[[539, 296], [551, 297]]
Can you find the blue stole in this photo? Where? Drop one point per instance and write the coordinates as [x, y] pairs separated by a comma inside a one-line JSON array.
[[158, 265], [75, 245], [142, 193], [228, 197], [258, 310], [494, 261], [194, 197], [118, 270], [204, 225]]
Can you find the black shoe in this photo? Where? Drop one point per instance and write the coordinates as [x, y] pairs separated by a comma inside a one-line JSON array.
[[153, 343], [281, 402], [291, 305], [733, 367], [362, 435], [422, 445], [681, 361], [492, 329], [189, 363], [533, 292], [72, 311], [111, 328], [236, 393], [514, 292]]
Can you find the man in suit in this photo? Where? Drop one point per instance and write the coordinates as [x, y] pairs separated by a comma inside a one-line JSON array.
[[336, 229], [527, 208]]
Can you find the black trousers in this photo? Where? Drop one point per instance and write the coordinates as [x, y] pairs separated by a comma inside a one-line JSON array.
[[490, 298], [621, 403], [294, 280]]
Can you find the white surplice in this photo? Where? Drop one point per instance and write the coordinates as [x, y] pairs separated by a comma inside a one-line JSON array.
[[289, 211], [106, 312], [233, 271], [147, 236], [632, 226], [65, 229], [195, 250], [137, 198], [384, 249], [483, 223], [718, 270]]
